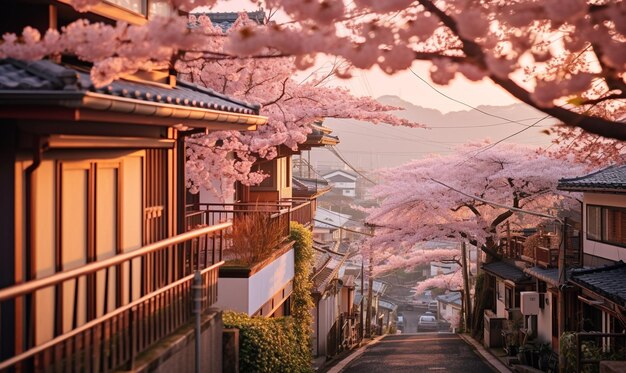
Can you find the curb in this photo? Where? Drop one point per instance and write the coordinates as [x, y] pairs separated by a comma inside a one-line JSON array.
[[487, 356], [342, 364]]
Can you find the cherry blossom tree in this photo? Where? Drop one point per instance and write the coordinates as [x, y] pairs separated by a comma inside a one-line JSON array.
[[291, 107], [431, 200], [418, 201], [565, 57]]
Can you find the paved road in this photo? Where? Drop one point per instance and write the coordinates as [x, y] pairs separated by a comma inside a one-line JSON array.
[[425, 352]]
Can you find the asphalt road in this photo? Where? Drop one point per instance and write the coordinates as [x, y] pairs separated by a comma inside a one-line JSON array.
[[424, 352]]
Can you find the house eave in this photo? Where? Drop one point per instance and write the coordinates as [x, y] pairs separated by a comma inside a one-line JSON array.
[[97, 107]]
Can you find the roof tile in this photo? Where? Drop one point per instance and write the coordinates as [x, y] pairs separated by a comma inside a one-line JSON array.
[[612, 177], [47, 75], [607, 281]]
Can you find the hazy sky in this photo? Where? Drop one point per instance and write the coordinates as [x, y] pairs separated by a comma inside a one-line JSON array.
[[376, 83]]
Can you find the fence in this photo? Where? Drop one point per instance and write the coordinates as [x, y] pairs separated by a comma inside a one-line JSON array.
[[129, 320]]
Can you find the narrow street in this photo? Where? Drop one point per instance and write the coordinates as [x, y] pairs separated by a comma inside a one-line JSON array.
[[419, 353]]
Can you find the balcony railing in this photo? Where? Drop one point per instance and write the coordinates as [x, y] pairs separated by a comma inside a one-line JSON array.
[[282, 212], [131, 318], [546, 257]]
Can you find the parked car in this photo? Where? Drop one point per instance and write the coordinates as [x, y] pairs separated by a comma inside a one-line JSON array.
[[432, 306], [427, 323]]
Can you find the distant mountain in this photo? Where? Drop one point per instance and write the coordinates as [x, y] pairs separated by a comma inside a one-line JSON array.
[[368, 146]]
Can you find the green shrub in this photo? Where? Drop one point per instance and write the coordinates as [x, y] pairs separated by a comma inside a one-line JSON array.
[[267, 344], [281, 344]]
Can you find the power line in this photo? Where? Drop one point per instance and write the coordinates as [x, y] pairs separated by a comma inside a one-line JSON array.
[[463, 103], [345, 229], [334, 150]]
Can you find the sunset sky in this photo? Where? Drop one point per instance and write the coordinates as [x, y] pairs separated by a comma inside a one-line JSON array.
[[376, 83]]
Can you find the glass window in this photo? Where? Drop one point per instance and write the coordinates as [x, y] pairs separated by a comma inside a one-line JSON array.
[[594, 220], [509, 301], [159, 8], [614, 225], [137, 6], [500, 290]]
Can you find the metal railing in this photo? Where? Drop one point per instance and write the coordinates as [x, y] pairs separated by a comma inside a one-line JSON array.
[[282, 212], [135, 320]]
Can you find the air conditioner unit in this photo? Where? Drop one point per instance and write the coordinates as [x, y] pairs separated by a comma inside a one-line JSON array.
[[529, 303]]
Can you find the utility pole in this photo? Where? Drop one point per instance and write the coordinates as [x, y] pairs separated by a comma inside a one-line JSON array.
[[370, 282], [562, 282], [467, 305], [362, 328]]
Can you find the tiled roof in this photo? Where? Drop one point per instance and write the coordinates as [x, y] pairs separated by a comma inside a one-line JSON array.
[[611, 178], [355, 272], [226, 20], [549, 275], [302, 185], [43, 81], [450, 298], [506, 271], [609, 282]]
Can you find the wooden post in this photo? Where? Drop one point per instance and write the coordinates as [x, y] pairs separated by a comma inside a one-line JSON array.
[[561, 305]]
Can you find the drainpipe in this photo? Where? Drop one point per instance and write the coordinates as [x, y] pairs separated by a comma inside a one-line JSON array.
[[38, 149]]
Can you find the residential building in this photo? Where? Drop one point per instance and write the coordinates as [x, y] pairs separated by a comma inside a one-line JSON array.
[[449, 308], [344, 183], [94, 183], [328, 225], [601, 305], [94, 179]]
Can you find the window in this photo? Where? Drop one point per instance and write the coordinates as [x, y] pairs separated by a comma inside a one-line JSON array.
[[137, 6], [594, 222], [509, 300], [606, 224], [500, 291]]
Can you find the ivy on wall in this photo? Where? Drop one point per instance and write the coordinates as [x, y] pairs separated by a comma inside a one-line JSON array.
[[281, 344]]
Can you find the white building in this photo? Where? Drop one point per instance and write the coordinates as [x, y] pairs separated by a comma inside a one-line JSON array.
[[342, 182]]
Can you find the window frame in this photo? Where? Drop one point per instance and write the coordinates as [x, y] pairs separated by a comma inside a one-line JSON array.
[[603, 224]]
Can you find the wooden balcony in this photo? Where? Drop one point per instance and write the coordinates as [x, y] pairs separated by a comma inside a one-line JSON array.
[[546, 257], [107, 312]]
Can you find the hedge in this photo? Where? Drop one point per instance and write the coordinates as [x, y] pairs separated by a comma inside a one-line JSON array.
[[281, 344]]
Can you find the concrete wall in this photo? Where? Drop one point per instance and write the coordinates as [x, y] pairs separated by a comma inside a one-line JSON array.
[[249, 294], [595, 248], [177, 352]]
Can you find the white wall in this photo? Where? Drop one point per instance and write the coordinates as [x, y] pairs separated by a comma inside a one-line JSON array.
[[544, 320], [343, 184], [249, 294], [349, 192], [451, 313], [596, 248]]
